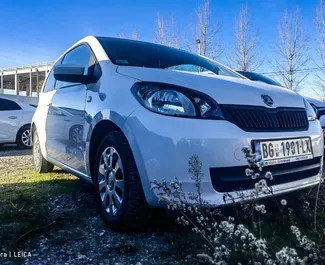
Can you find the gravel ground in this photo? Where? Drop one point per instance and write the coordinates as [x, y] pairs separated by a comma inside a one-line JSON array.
[[74, 233], [13, 150]]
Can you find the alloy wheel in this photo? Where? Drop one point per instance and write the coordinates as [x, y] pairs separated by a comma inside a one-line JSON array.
[[26, 138], [111, 185]]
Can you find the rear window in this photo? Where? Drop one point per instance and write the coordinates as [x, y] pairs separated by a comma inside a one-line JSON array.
[[144, 54]]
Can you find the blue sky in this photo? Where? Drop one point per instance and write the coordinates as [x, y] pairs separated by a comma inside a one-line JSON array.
[[36, 31]]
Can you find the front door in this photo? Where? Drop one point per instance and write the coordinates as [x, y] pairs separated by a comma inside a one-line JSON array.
[[10, 117], [66, 120]]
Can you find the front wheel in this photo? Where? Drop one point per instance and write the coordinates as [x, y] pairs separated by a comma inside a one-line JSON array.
[[119, 190], [41, 165]]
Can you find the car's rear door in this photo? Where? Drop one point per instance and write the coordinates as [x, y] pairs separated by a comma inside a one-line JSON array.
[[10, 116], [66, 140]]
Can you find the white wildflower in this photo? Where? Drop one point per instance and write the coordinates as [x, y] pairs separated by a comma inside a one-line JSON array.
[[268, 175], [294, 228], [249, 172], [284, 202]]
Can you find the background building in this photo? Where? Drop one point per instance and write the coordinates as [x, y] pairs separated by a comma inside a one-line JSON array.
[[24, 80]]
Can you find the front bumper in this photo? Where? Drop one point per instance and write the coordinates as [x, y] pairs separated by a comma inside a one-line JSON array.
[[322, 123], [163, 145]]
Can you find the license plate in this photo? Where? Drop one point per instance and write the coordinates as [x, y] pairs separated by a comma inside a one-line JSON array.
[[283, 151]]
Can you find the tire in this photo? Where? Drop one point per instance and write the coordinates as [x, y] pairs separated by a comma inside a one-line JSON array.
[[41, 165], [128, 209], [24, 140]]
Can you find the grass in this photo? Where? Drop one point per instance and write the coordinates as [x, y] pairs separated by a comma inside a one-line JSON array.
[[24, 202], [25, 185]]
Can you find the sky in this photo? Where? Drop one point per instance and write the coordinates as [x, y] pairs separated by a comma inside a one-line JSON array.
[[40, 31]]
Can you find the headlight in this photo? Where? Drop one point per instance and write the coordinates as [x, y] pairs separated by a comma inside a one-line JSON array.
[[311, 115], [176, 101]]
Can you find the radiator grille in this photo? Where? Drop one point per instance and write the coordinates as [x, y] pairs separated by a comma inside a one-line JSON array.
[[251, 118]]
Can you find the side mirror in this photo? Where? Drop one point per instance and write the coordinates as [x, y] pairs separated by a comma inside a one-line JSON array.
[[73, 74]]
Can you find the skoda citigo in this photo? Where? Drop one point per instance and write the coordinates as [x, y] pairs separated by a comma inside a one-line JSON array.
[[122, 113]]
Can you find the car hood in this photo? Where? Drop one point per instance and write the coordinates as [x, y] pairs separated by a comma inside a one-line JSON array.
[[225, 90]]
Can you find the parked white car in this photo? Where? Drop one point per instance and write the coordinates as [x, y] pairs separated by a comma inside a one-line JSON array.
[[144, 109], [15, 120], [319, 107]]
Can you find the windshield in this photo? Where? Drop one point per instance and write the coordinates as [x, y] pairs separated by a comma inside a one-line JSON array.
[[259, 77], [144, 54]]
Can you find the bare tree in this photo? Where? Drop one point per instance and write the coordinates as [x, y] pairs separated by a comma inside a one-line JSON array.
[[320, 26], [292, 50], [121, 34], [167, 34], [207, 33], [160, 34], [135, 35], [246, 55], [173, 34]]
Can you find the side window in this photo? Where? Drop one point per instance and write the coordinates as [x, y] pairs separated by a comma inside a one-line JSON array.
[[6, 104], [81, 55]]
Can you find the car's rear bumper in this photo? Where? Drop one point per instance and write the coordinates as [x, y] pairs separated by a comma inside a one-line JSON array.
[[163, 145]]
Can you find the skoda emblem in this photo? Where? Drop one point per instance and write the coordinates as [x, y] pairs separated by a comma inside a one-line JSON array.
[[267, 100]]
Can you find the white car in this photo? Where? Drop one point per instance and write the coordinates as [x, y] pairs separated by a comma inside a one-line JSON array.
[[319, 107], [15, 120], [144, 109]]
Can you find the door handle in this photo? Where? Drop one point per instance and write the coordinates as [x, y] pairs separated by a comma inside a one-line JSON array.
[[12, 117], [89, 99]]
